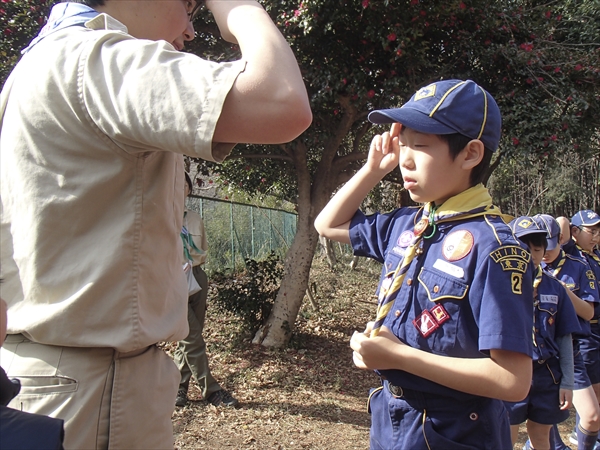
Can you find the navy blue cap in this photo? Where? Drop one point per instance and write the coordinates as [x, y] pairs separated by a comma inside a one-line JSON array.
[[525, 225], [448, 107], [551, 225], [585, 218]]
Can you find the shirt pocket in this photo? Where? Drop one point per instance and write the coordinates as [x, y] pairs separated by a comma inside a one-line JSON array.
[[439, 287], [545, 317], [442, 298]]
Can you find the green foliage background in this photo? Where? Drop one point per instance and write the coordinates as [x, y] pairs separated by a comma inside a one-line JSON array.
[[539, 59]]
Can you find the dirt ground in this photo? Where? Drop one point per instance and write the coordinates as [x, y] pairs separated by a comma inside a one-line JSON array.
[[308, 396]]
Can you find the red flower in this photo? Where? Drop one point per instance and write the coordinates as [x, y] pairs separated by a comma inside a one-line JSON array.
[[365, 3], [391, 37], [399, 52], [578, 67], [371, 93], [515, 141], [527, 46], [462, 5], [553, 137], [548, 14]]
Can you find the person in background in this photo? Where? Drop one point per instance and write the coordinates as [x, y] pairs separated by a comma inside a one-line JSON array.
[[96, 118], [554, 319], [190, 355], [582, 240], [575, 273], [20, 430]]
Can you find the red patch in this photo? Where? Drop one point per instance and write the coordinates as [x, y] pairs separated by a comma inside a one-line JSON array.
[[425, 323], [440, 314]]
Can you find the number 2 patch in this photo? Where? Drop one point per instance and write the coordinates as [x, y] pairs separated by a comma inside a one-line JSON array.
[[516, 282]]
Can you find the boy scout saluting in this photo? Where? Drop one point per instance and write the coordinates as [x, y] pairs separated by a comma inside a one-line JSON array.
[[96, 118], [452, 337]]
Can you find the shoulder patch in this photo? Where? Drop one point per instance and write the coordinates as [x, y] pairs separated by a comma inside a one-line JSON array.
[[511, 257], [590, 275]]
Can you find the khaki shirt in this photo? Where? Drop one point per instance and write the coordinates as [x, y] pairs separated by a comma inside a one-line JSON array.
[[91, 172]]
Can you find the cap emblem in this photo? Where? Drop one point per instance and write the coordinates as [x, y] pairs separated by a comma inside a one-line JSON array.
[[525, 223], [427, 91]]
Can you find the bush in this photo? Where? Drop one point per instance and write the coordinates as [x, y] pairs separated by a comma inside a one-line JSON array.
[[249, 295]]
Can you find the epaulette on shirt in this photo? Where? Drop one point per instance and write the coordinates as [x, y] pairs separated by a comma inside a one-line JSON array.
[[579, 259], [501, 230]]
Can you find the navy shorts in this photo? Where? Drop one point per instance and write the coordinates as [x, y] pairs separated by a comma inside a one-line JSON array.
[[426, 421], [542, 403], [582, 380], [590, 352]]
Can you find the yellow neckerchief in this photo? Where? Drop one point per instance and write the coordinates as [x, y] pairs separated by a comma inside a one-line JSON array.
[[590, 254], [536, 282], [561, 262], [538, 277], [475, 201]]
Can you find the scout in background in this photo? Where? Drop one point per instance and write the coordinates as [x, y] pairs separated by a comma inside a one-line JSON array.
[[582, 239], [574, 272], [452, 337], [554, 319]]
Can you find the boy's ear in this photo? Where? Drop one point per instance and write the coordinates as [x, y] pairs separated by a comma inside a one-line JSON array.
[[472, 154]]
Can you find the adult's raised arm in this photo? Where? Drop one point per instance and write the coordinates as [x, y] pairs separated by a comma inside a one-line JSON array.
[[268, 102]]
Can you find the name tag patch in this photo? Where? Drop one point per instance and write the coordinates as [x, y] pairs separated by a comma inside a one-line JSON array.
[[549, 299], [448, 268]]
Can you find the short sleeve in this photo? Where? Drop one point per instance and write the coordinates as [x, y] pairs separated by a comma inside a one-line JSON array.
[[370, 235], [505, 312], [146, 96]]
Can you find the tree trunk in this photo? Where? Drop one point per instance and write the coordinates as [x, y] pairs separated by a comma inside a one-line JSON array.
[[329, 251], [312, 197], [278, 329]]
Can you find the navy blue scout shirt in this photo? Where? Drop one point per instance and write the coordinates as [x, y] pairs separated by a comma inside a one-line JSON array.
[[469, 292], [554, 316], [570, 248], [576, 273]]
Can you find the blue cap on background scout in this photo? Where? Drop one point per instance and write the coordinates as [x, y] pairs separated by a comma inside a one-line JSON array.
[[585, 218], [525, 225], [448, 107], [551, 225]]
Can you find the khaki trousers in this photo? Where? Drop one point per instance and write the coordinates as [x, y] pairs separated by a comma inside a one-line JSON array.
[[190, 355], [108, 399]]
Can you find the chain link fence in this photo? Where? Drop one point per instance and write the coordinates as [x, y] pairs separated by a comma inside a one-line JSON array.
[[236, 231]]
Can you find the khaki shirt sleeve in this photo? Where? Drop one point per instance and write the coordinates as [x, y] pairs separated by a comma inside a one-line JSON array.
[[146, 96]]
